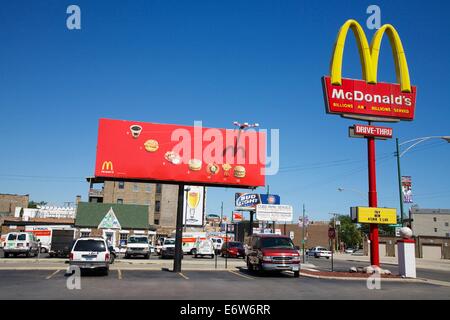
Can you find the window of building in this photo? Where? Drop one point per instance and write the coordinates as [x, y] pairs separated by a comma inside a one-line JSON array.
[[120, 201], [135, 187], [123, 239], [434, 219], [158, 188], [148, 187], [446, 224], [85, 234], [157, 206], [121, 184], [157, 221], [435, 229]]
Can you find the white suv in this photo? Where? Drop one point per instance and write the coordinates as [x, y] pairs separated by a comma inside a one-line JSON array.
[[20, 243], [90, 253]]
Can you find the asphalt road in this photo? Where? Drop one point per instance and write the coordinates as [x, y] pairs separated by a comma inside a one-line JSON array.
[[200, 285], [340, 265]]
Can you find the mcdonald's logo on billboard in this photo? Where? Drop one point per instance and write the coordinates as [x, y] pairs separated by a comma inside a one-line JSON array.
[[369, 99], [107, 167]]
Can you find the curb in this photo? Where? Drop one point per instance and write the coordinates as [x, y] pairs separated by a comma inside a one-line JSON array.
[[407, 280]]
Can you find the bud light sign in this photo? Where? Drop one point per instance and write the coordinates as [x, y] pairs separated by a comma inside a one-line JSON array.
[[249, 201]]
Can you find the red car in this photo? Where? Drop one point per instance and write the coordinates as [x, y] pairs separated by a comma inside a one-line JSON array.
[[270, 252], [233, 249]]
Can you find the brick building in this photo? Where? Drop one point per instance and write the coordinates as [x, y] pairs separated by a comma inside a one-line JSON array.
[[161, 199], [9, 202]]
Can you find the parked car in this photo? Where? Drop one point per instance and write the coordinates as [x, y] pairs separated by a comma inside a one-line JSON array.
[[349, 250], [218, 243], [168, 249], [270, 252], [137, 246], [90, 253], [233, 249], [20, 243], [203, 248], [319, 252]]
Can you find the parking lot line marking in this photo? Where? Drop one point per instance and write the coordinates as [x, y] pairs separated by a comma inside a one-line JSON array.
[[50, 276], [241, 275], [183, 276], [119, 274]]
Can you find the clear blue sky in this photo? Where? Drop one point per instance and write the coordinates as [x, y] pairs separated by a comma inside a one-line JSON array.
[[215, 61]]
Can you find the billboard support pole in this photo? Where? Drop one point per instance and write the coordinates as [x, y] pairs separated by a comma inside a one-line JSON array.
[[179, 230], [373, 202], [250, 231]]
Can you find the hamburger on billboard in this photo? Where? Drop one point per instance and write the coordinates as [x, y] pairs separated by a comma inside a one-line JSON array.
[[180, 154]]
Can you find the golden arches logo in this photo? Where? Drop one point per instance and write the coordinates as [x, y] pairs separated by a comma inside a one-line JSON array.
[[369, 54], [107, 166]]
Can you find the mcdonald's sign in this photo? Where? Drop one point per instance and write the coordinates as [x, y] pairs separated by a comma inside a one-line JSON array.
[[369, 99], [107, 166]]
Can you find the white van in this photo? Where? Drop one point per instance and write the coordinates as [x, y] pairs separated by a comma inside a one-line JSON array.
[[20, 243], [203, 248]]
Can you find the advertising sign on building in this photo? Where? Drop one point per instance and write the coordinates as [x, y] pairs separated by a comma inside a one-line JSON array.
[[180, 154], [407, 189], [249, 201], [194, 206], [272, 212]]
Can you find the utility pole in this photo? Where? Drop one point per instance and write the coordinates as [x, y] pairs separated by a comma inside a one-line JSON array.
[[303, 233], [399, 181]]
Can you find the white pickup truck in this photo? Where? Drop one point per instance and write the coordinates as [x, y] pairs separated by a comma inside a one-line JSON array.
[[137, 246]]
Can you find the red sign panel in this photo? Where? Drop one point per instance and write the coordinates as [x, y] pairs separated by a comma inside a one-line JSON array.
[[382, 100], [331, 233], [237, 216], [184, 154], [372, 131]]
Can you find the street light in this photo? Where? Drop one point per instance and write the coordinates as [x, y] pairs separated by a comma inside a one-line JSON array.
[[414, 142], [340, 189]]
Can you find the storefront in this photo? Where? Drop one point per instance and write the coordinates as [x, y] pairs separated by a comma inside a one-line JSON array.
[[114, 222]]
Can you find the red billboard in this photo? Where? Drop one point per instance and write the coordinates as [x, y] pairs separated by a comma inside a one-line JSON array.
[[358, 98], [180, 154]]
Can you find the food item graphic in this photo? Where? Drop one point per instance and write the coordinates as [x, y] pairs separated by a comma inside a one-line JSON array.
[[151, 145], [226, 169], [195, 164], [135, 130], [239, 172], [172, 157], [213, 168]]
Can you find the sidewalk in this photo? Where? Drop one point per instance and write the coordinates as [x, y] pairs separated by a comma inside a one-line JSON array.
[[442, 265]]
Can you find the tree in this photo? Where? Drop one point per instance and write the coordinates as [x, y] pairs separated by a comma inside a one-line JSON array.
[[383, 230], [33, 204], [348, 232]]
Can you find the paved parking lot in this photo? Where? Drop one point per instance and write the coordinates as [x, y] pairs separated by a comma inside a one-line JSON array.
[[233, 284]]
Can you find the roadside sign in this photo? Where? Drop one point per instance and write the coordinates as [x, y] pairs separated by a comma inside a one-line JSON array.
[[272, 212], [363, 131], [291, 235], [373, 215], [331, 233], [397, 231]]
